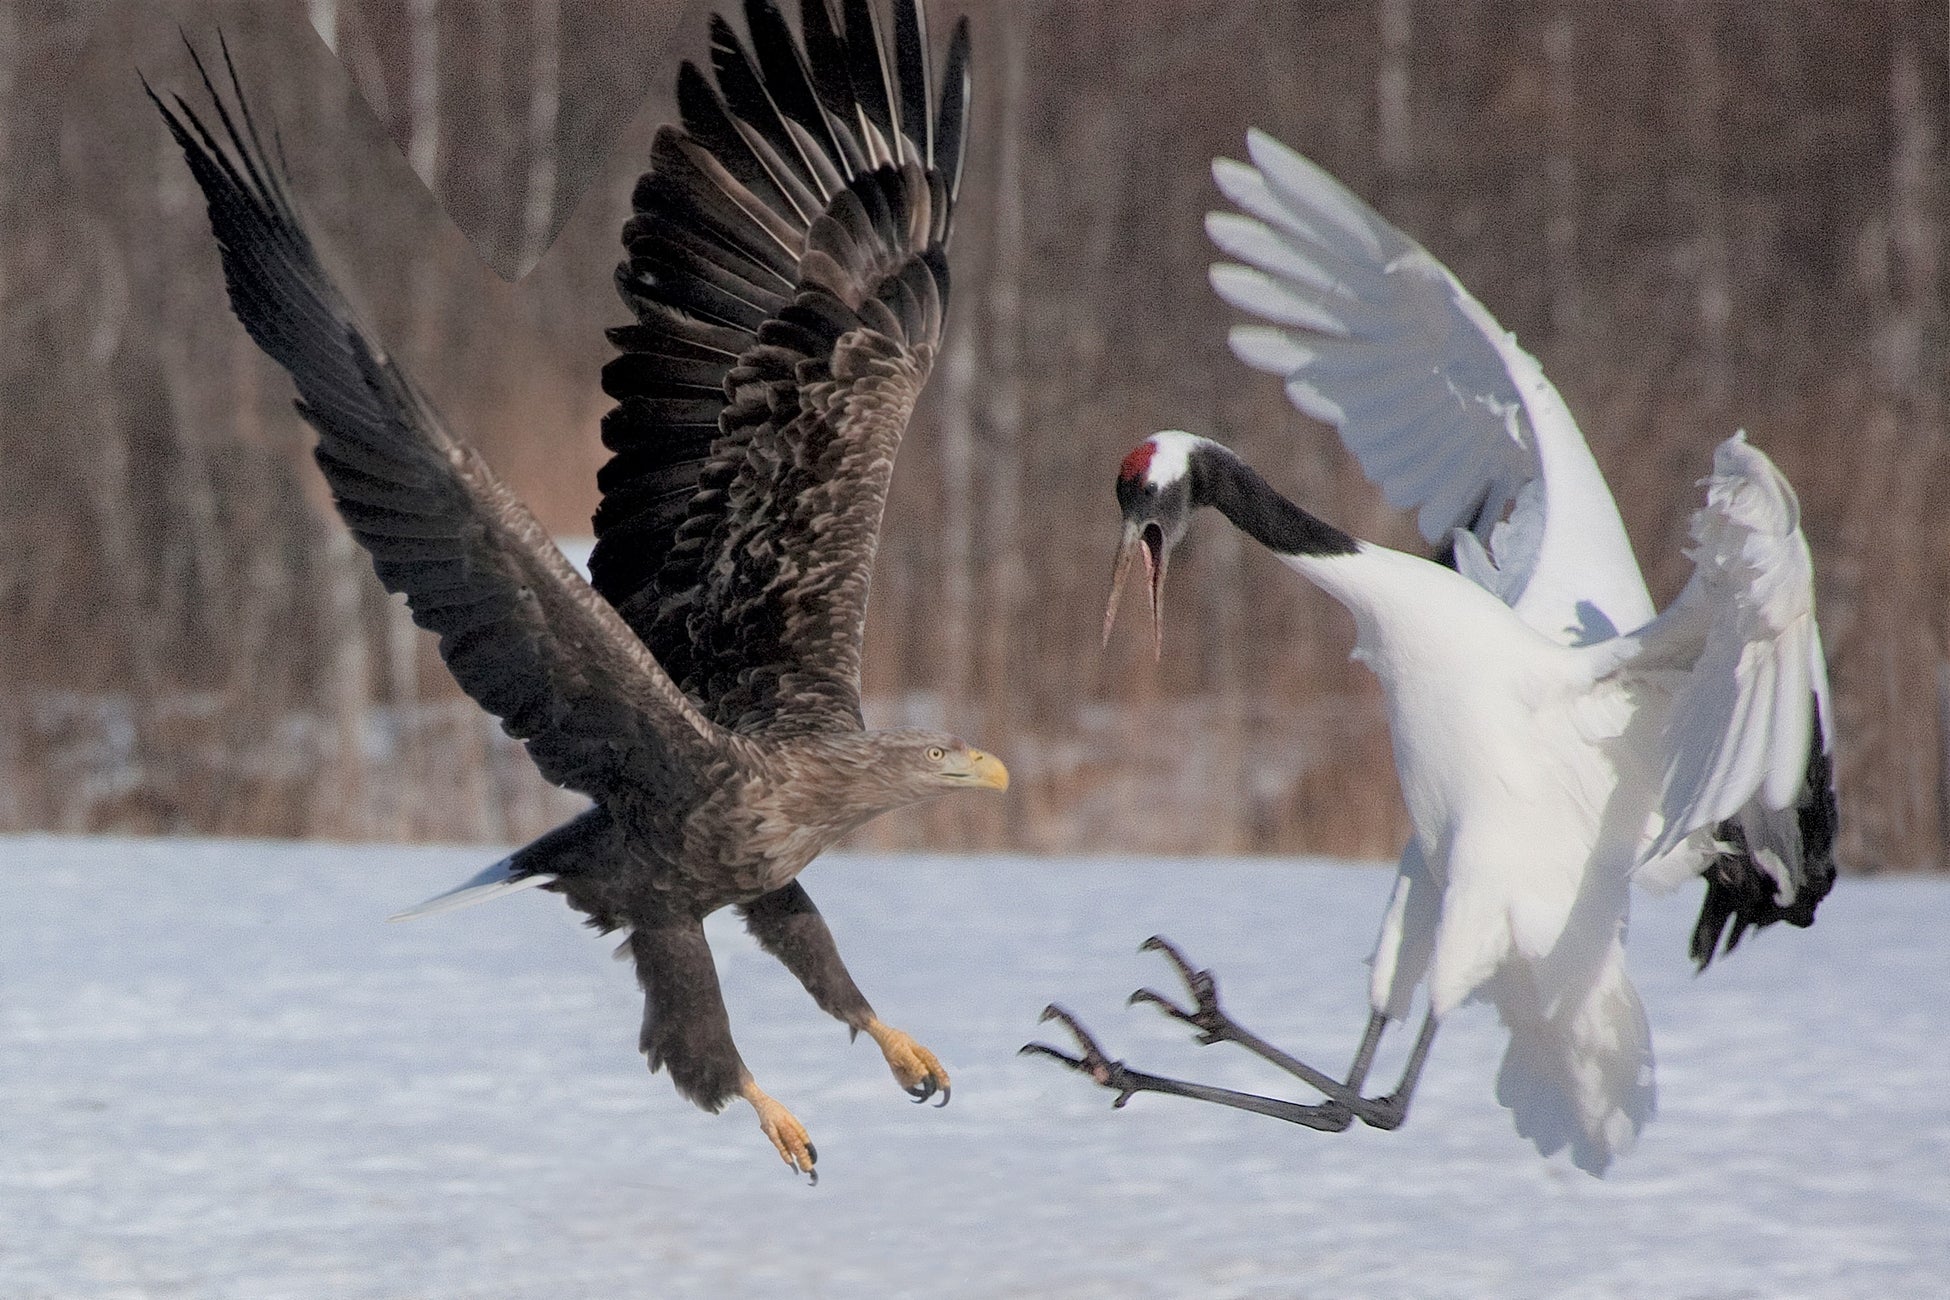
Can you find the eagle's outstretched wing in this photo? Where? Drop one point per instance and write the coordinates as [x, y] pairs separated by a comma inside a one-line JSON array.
[[787, 270], [521, 632]]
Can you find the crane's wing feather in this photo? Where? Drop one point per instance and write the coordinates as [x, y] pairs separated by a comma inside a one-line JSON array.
[[787, 271], [519, 629], [1435, 399], [1747, 768]]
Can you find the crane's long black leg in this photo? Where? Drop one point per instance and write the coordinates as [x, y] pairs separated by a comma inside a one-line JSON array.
[[1330, 1117], [787, 925], [1215, 1026], [1390, 1111], [1357, 1073]]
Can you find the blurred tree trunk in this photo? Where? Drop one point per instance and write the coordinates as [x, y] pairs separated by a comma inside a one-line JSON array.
[[340, 582], [1914, 344], [1704, 195], [1913, 356], [13, 721], [1394, 145], [10, 45], [1564, 285], [423, 90], [953, 637], [429, 308], [324, 16], [997, 484], [544, 102]]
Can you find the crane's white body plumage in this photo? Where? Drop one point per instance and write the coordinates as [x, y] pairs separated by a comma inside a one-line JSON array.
[[1555, 741]]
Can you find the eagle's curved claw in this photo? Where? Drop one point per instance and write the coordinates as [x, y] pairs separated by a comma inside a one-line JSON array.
[[917, 1070], [926, 1088]]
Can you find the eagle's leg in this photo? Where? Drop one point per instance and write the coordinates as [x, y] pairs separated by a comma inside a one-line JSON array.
[[1329, 1117], [686, 1028], [788, 1136], [1216, 1026], [787, 925]]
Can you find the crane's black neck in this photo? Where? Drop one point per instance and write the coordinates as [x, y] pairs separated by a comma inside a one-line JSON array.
[[1233, 488]]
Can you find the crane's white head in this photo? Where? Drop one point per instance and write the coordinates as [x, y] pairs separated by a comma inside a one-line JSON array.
[[1154, 490]]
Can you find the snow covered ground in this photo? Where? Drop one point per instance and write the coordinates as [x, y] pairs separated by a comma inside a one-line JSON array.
[[222, 1075]]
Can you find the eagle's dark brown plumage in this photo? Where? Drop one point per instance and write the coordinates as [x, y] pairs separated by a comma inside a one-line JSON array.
[[787, 272]]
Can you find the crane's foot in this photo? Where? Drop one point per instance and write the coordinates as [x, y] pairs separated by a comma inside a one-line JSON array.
[[1090, 1059], [915, 1068], [1127, 1083], [787, 1135], [1214, 1025], [1205, 1014]]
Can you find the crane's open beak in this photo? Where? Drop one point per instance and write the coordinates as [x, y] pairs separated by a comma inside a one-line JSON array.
[[1146, 539]]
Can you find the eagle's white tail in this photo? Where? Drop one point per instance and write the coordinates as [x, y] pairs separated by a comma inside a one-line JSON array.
[[1579, 1074]]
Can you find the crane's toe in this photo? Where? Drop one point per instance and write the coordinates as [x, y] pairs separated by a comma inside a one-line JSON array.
[[918, 1071], [1204, 1014], [787, 1135], [1090, 1059], [1203, 986]]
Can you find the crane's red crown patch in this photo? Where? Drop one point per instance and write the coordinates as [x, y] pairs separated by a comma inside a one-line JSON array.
[[1138, 461]]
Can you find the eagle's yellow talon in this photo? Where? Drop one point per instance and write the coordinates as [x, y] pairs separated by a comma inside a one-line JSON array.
[[915, 1068], [787, 1135]]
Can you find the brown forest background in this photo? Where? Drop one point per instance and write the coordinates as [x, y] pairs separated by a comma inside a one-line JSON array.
[[1699, 215]]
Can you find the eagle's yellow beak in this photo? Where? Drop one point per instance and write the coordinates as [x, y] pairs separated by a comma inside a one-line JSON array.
[[986, 771]]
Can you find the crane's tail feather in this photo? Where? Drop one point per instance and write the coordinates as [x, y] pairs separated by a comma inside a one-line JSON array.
[[1578, 1075]]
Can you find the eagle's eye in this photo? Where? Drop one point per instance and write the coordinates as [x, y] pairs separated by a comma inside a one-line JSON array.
[[936, 753]]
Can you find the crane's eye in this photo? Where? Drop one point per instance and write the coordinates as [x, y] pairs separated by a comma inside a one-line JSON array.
[[936, 753]]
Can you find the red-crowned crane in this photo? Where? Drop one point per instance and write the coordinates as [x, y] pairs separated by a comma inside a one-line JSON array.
[[1554, 739]]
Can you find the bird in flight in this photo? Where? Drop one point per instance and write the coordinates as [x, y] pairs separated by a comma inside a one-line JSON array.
[[1556, 740], [787, 270]]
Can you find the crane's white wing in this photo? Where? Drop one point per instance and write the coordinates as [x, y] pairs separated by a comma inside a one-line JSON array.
[[1442, 408], [1741, 655], [1742, 784]]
